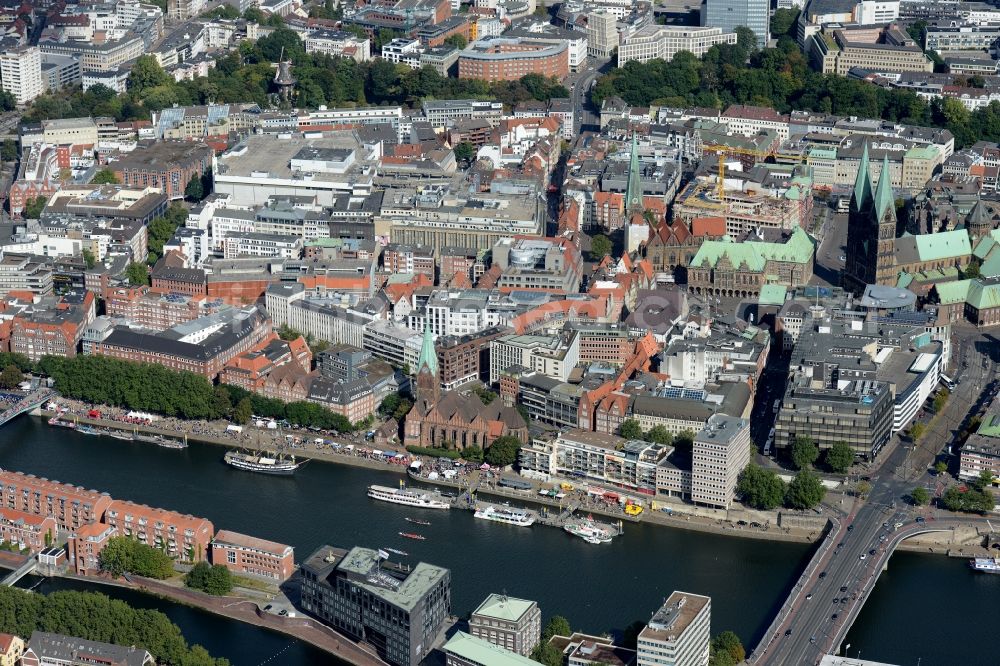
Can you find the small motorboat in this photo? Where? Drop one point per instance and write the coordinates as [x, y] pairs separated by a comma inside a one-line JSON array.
[[412, 535], [396, 551]]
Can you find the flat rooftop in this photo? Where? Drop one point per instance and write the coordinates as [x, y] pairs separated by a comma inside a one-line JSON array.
[[674, 617], [502, 607]]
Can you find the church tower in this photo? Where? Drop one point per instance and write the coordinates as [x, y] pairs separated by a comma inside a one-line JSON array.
[[428, 383], [883, 224], [637, 230], [858, 236], [871, 229]]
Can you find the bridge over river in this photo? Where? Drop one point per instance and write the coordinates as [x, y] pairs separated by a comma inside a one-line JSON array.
[[819, 611]]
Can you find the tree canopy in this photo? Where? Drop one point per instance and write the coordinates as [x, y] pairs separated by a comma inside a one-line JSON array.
[[726, 649], [212, 579], [760, 488], [920, 496], [600, 247], [630, 429], [839, 457], [105, 177], [96, 617], [804, 452], [804, 491], [125, 555], [503, 451]]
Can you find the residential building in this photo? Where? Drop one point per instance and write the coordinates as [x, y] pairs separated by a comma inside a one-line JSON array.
[[721, 450], [399, 258], [466, 358], [678, 634], [21, 530], [554, 356], [444, 112], [21, 73], [511, 623], [179, 535], [732, 14], [85, 547], [397, 610], [338, 43], [71, 506], [608, 459], [501, 59], [46, 649], [11, 649], [664, 42], [256, 558]]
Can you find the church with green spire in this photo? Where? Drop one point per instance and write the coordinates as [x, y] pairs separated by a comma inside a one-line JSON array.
[[871, 228], [428, 380]]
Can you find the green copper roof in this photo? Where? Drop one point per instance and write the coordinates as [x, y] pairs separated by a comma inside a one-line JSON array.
[[633, 191], [943, 245], [428, 357], [772, 294], [950, 293], [863, 182], [904, 280], [502, 607], [754, 255], [990, 427], [983, 296], [883, 194], [478, 651]]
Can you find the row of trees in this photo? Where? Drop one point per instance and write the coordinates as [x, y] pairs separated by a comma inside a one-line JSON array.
[[153, 388], [124, 555], [246, 76], [781, 77], [762, 489], [96, 617]]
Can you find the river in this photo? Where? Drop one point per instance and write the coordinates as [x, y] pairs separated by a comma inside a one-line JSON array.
[[599, 588]]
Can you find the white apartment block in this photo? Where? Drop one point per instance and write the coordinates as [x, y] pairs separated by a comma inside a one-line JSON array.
[[720, 452], [678, 633], [664, 42], [403, 52], [21, 73]]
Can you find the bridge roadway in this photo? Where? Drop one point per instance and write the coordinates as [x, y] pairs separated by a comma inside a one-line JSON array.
[[34, 399]]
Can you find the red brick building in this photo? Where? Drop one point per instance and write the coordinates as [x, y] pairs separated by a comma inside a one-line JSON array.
[[169, 165], [249, 556], [70, 506], [170, 276], [157, 311], [86, 545], [53, 331], [179, 535], [26, 530], [244, 331], [509, 59]]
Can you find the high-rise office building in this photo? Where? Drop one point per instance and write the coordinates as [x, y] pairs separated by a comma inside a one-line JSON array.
[[732, 14], [678, 634]]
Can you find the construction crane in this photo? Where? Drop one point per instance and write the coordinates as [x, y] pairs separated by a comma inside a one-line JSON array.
[[722, 150]]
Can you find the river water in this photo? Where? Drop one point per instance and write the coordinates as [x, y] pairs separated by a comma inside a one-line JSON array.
[[599, 588]]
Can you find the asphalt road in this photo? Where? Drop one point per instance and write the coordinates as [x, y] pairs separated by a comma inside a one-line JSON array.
[[847, 564]]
